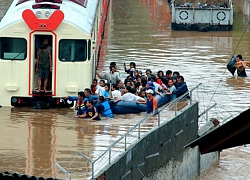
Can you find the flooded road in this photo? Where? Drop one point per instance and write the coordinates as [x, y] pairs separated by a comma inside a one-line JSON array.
[[32, 140]]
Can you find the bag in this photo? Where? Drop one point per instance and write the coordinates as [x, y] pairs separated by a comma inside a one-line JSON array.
[[230, 65]]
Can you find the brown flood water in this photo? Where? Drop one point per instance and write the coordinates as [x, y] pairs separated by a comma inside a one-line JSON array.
[[138, 30]]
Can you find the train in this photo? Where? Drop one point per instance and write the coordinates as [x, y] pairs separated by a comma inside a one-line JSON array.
[[71, 30]]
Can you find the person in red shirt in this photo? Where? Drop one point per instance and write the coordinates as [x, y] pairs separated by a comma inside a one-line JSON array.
[[93, 86]]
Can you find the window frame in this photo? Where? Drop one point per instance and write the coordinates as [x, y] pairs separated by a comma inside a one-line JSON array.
[[15, 54]]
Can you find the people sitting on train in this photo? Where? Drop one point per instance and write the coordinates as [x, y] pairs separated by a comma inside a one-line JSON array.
[[111, 76], [91, 111], [181, 87], [104, 107], [43, 67]]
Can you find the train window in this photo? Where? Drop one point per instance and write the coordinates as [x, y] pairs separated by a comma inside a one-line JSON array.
[[72, 50], [13, 48]]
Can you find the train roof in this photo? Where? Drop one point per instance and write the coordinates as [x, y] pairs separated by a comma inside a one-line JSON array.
[[74, 13]]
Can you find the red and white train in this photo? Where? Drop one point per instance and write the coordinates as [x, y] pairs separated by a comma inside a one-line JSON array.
[[73, 30]]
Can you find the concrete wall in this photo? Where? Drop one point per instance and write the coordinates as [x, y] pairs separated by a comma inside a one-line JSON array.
[[191, 166], [161, 154]]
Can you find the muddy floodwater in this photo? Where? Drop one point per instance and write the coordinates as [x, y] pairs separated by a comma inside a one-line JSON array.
[[33, 140]]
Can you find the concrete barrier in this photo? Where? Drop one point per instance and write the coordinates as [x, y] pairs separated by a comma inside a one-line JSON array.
[[161, 153]]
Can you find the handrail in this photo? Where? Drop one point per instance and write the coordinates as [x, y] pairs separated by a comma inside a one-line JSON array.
[[108, 150], [124, 138], [63, 170]]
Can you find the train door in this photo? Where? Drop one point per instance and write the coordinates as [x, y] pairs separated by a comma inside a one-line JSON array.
[[43, 45]]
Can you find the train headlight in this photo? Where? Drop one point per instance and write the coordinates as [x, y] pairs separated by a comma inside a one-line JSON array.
[[47, 14], [39, 14]]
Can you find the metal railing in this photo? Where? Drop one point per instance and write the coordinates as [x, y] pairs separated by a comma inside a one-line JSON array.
[[125, 143]]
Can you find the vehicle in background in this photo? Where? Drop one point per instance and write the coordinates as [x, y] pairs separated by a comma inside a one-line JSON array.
[[203, 15]]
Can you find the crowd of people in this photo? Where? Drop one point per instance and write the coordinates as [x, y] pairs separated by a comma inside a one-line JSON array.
[[136, 87]]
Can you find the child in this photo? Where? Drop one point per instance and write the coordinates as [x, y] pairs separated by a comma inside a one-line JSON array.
[[93, 86], [100, 88], [143, 94], [91, 111], [106, 93], [116, 94], [171, 89], [120, 86], [131, 69]]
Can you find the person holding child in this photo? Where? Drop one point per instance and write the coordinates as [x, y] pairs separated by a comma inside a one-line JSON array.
[[240, 66]]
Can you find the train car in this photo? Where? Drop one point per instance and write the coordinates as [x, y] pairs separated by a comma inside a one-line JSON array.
[[205, 15], [70, 29]]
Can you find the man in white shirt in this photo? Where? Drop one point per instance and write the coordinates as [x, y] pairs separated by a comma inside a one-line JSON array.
[[128, 96]]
